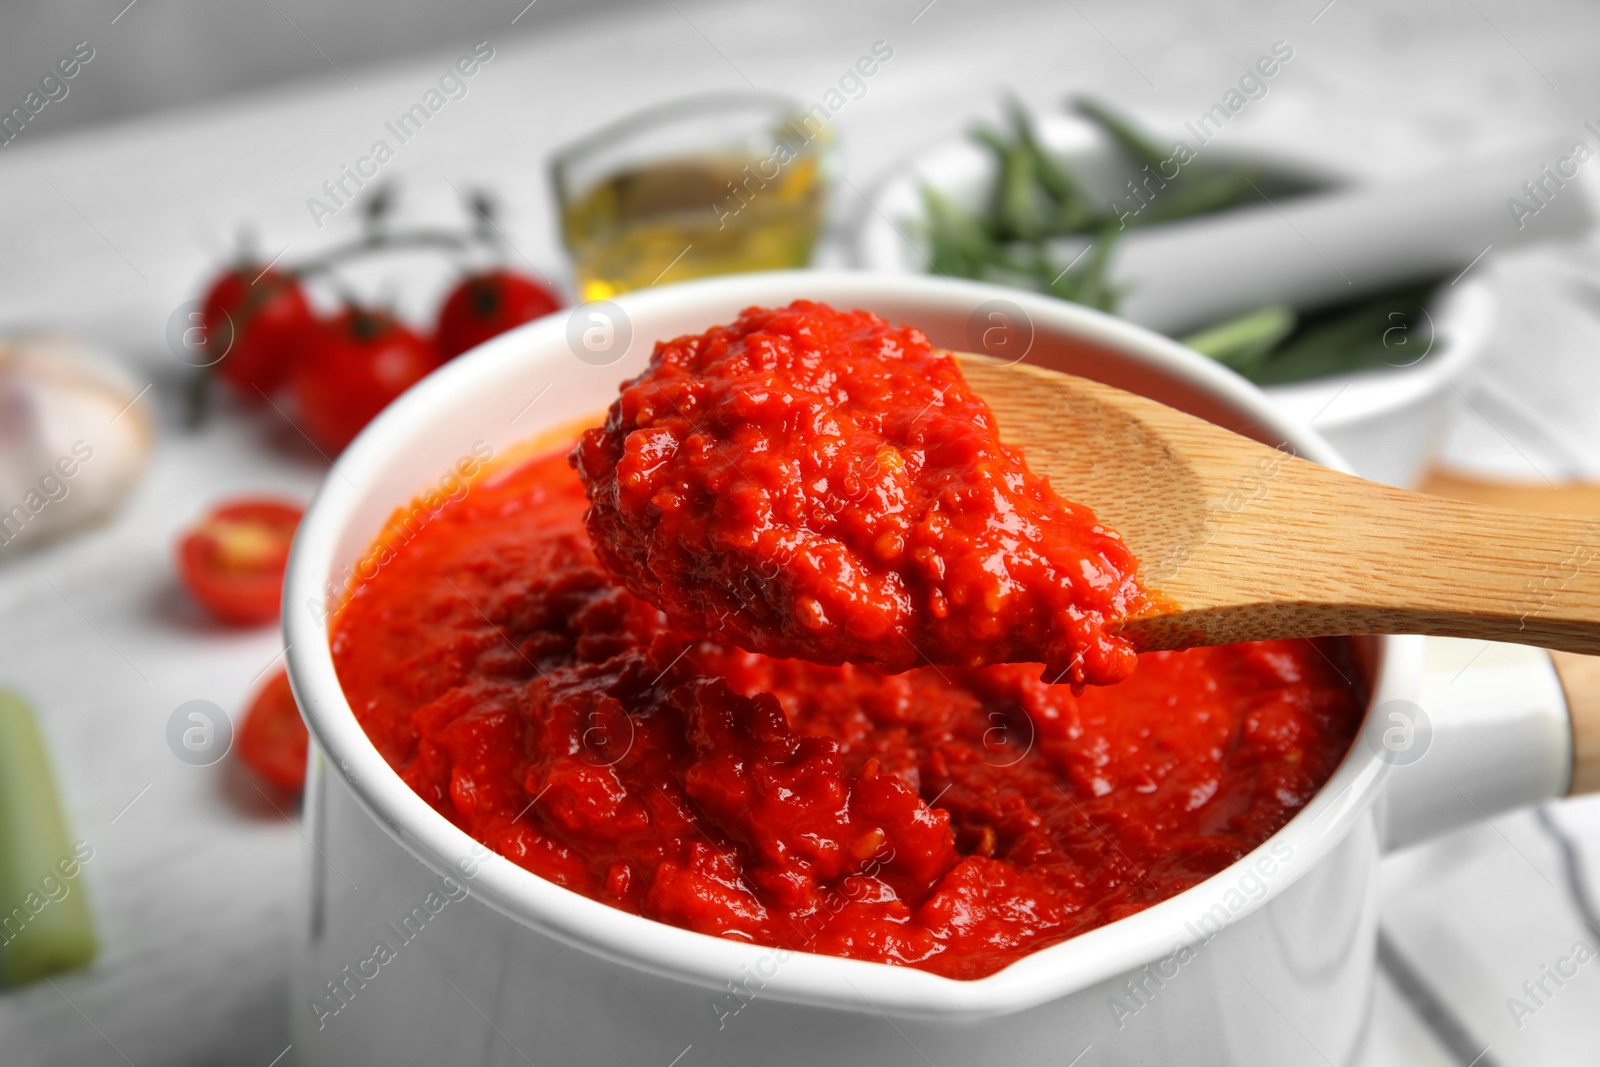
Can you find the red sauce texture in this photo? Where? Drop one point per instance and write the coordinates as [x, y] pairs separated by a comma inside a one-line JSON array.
[[953, 819], [819, 484]]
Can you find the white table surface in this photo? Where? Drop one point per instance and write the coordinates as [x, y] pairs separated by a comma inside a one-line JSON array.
[[107, 231]]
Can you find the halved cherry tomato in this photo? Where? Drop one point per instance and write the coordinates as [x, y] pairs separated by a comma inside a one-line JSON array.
[[358, 363], [255, 323], [232, 561], [273, 739], [487, 305]]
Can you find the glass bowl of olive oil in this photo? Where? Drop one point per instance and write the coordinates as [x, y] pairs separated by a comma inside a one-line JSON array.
[[718, 184]]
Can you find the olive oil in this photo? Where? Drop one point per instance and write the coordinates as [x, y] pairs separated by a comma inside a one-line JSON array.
[[684, 217]]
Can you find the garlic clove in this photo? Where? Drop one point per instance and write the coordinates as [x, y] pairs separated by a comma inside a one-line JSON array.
[[73, 439]]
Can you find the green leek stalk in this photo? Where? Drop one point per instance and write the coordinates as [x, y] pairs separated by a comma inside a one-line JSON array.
[[44, 919]]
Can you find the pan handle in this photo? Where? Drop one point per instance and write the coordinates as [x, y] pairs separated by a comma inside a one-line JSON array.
[[1490, 732]]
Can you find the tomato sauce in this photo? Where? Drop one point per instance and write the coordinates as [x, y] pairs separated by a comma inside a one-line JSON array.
[[949, 818], [819, 484]]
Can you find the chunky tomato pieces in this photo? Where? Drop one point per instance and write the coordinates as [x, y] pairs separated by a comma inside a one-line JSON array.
[[819, 484], [952, 819]]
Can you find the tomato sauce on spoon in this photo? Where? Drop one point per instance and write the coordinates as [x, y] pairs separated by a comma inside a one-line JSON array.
[[820, 484]]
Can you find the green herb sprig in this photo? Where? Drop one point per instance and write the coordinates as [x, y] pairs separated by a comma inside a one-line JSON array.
[[1021, 236]]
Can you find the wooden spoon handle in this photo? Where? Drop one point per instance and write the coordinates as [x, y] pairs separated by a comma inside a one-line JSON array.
[[1318, 552], [1580, 678], [1244, 542]]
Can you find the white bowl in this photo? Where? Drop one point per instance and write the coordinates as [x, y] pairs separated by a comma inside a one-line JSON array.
[[1387, 423], [503, 966]]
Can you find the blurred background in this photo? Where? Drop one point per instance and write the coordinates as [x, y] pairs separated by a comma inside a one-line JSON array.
[[180, 54], [1409, 149]]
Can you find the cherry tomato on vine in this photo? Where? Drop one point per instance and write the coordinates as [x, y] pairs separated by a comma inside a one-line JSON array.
[[232, 560], [486, 305], [272, 738], [354, 366], [255, 322]]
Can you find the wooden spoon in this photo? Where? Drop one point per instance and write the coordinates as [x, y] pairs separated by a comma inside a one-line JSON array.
[[1247, 543]]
